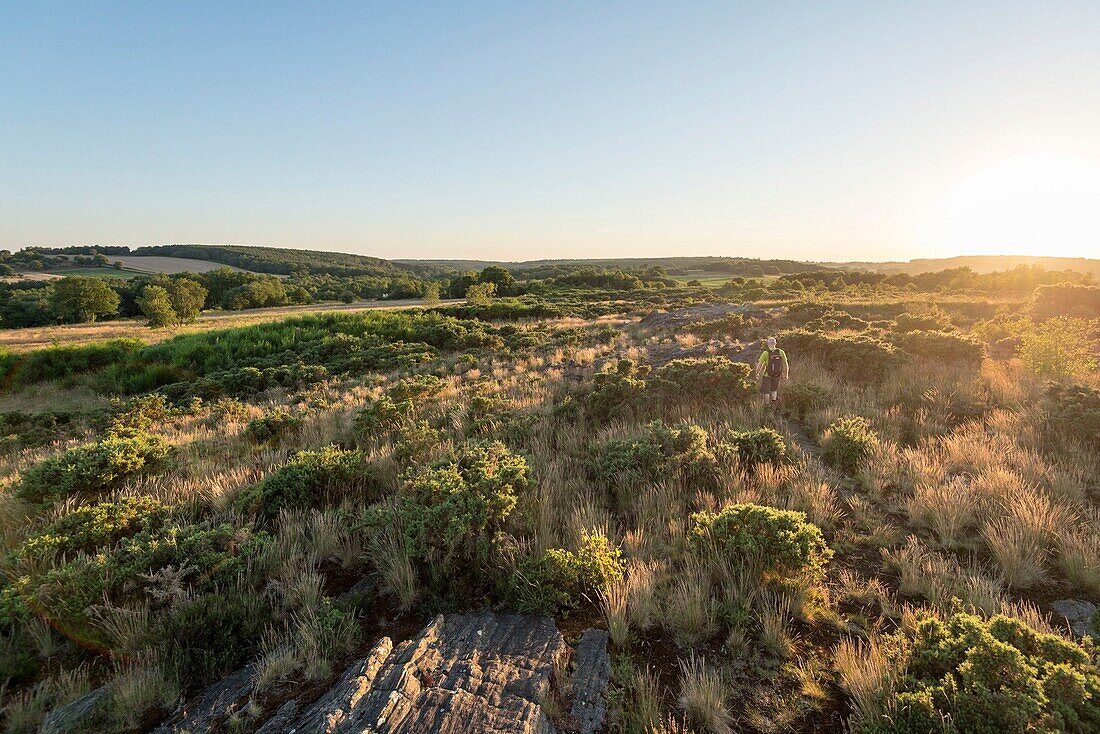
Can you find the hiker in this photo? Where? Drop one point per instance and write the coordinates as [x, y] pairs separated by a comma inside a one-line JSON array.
[[770, 369]]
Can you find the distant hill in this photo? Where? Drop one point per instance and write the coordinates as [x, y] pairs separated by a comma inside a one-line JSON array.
[[281, 261], [977, 263], [731, 266]]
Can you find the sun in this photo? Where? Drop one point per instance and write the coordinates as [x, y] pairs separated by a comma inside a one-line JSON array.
[[1025, 205]]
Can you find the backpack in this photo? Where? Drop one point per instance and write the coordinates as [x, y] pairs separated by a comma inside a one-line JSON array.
[[775, 363]]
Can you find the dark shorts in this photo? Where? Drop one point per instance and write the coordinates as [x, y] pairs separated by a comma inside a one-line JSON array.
[[769, 384]]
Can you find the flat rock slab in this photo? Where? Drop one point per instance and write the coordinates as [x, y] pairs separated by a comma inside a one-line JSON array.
[[1080, 615], [591, 674], [464, 673]]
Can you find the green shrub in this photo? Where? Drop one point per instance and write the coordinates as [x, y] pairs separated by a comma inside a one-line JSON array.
[[780, 541], [934, 319], [706, 380], [942, 346], [1074, 409], [558, 579], [93, 468], [94, 526], [618, 393], [800, 399], [846, 442], [656, 454], [1059, 347], [1076, 301], [159, 564], [207, 637], [29, 430], [987, 677], [449, 514], [309, 479], [858, 358], [731, 326], [761, 446], [274, 425], [414, 443]]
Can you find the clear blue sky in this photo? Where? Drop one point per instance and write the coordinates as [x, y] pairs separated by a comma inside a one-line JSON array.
[[515, 130]]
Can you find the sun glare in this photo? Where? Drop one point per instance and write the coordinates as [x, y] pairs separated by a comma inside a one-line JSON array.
[[1026, 205]]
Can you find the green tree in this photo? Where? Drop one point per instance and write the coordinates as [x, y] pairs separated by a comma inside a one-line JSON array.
[[82, 299], [156, 305], [500, 277], [431, 294], [187, 297], [481, 294]]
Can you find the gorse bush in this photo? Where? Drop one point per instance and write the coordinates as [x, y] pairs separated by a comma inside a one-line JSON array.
[[656, 454], [942, 346], [309, 479], [160, 564], [558, 579], [93, 469], [1065, 299], [847, 441], [1060, 347], [860, 358], [761, 446], [707, 379], [934, 319], [1075, 409], [801, 399], [731, 326], [94, 526], [780, 542], [618, 393], [274, 424], [398, 406], [966, 675], [450, 514]]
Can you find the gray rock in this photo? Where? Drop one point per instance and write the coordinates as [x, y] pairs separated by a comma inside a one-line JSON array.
[[591, 674], [212, 705], [1079, 614], [75, 715], [477, 673], [282, 720]]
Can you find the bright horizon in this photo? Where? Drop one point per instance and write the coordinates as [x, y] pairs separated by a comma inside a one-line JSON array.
[[497, 132]]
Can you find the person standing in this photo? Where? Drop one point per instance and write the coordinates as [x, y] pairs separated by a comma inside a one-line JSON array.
[[771, 368]]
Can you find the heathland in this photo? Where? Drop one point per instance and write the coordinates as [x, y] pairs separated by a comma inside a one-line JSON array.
[[885, 550]]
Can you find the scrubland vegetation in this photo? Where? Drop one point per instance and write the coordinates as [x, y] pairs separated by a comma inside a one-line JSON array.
[[878, 554]]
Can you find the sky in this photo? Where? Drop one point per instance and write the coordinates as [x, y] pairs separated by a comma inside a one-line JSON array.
[[514, 130]]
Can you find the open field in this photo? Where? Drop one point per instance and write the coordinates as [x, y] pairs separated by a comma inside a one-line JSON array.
[[170, 265], [919, 490], [19, 340]]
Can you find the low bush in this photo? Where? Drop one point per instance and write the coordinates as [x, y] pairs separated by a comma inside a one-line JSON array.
[[1076, 301], [274, 425], [558, 579], [449, 514], [30, 430], [1061, 347], [618, 393], [753, 448], [969, 675], [730, 326], [801, 399], [656, 454], [781, 542], [942, 346], [94, 526], [207, 637], [309, 479], [1075, 409], [706, 380], [859, 358], [847, 441], [94, 469], [934, 319]]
